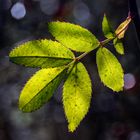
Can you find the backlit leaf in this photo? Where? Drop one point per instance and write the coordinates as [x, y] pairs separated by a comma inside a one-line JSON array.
[[73, 36], [120, 31], [39, 89], [107, 29], [41, 53], [110, 70], [118, 46], [76, 95]]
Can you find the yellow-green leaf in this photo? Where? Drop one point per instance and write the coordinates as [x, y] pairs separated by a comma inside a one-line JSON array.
[[118, 46], [39, 89], [107, 29], [73, 36], [120, 31], [76, 95], [110, 70], [41, 53]]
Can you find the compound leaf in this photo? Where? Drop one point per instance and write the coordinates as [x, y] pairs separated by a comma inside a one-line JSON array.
[[41, 53], [120, 31], [76, 95], [118, 46], [110, 70], [107, 29], [39, 89], [73, 36]]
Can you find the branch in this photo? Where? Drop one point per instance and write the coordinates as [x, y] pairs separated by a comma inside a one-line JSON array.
[[134, 13]]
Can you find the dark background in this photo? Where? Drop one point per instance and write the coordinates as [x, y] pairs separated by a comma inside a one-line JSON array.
[[112, 116]]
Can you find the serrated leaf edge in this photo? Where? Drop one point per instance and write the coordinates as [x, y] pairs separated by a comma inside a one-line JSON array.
[[89, 103], [110, 87], [39, 91]]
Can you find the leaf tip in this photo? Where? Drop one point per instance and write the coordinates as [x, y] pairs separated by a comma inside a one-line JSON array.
[[122, 53], [120, 50], [20, 106], [71, 127], [51, 25], [118, 90]]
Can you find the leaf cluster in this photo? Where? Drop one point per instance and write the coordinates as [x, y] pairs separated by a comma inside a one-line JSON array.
[[58, 62]]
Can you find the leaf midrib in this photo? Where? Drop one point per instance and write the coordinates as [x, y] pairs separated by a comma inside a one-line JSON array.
[[43, 89], [42, 57]]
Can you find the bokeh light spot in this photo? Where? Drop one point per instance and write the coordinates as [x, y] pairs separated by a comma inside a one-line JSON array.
[[81, 11], [49, 7], [129, 81], [82, 14], [18, 10]]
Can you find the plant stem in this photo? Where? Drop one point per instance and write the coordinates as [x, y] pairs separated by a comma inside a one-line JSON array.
[[102, 43], [134, 12], [82, 55]]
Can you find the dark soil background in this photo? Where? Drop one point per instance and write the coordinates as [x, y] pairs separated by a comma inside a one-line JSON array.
[[112, 116]]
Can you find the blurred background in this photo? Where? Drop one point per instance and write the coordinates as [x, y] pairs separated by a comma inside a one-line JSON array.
[[112, 116]]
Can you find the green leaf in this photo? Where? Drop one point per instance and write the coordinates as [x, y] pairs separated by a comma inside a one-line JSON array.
[[41, 53], [76, 95], [39, 89], [118, 46], [73, 36], [110, 70], [120, 31], [107, 29]]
